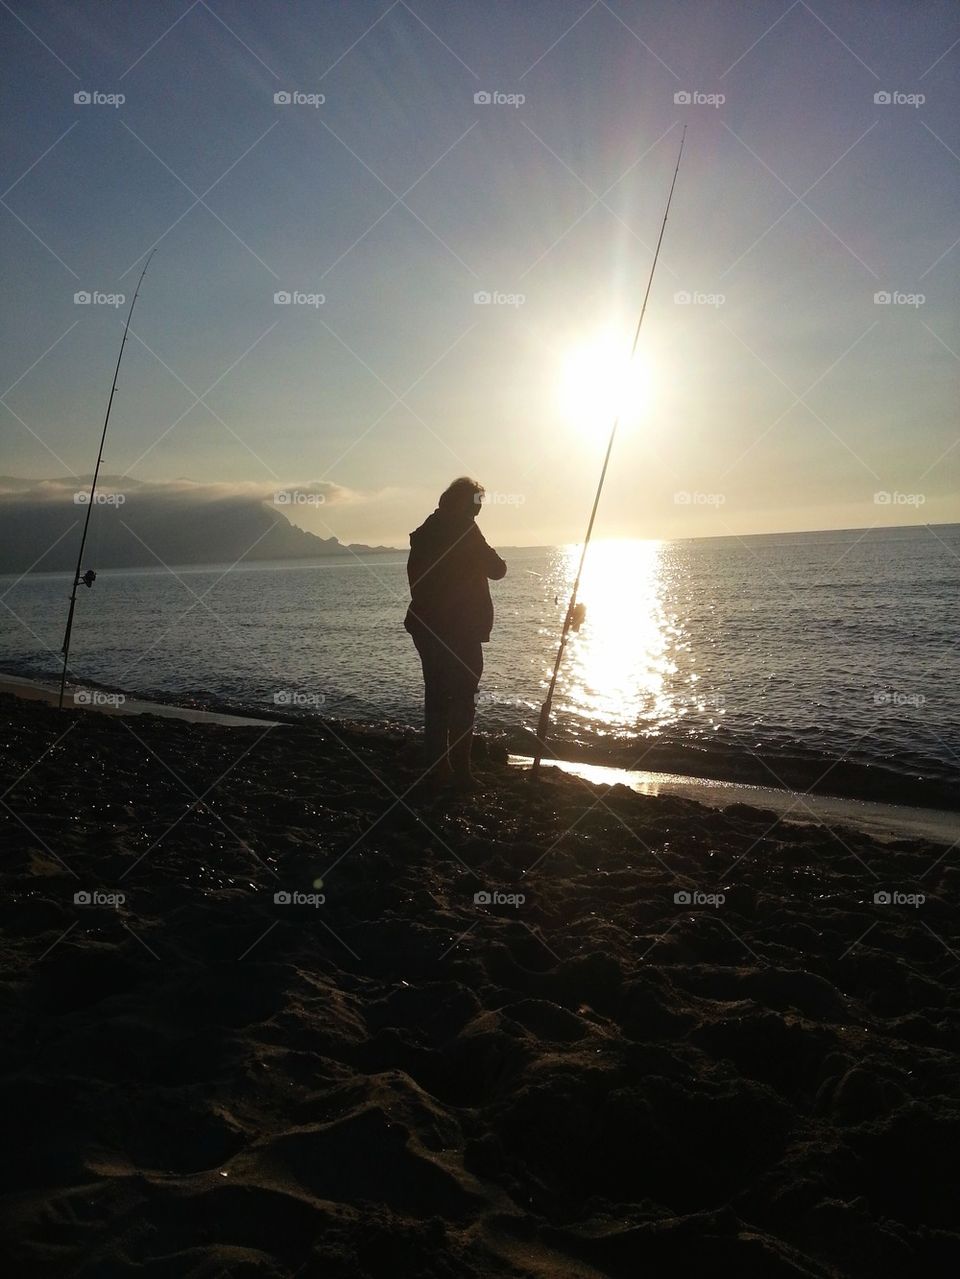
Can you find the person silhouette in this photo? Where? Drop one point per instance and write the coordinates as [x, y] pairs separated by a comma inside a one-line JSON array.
[[449, 619]]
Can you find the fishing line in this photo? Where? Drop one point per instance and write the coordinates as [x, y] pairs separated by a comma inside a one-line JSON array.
[[88, 578], [575, 611]]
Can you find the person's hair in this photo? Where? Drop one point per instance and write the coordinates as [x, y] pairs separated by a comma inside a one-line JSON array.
[[462, 495]]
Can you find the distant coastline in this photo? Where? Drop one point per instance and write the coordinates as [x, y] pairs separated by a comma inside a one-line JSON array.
[[40, 534], [23, 534]]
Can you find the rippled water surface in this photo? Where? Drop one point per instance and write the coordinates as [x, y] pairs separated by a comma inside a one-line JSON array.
[[829, 645]]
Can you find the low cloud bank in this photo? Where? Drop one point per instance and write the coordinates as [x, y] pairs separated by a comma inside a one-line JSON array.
[[144, 523], [64, 488]]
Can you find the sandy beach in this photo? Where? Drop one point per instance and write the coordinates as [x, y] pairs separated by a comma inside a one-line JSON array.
[[263, 1024]]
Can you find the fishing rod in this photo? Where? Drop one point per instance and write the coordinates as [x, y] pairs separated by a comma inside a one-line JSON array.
[[575, 611], [88, 578]]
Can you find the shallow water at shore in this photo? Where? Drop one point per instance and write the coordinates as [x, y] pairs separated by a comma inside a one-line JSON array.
[[883, 821]]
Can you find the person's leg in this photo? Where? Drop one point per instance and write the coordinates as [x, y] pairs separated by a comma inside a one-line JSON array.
[[466, 667], [436, 705]]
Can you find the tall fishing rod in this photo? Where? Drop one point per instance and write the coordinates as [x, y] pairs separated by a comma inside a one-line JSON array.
[[88, 578], [575, 612]]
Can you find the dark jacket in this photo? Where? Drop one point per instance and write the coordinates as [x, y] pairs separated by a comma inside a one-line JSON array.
[[448, 568]]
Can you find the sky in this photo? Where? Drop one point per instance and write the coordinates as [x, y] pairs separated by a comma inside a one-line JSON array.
[[775, 387]]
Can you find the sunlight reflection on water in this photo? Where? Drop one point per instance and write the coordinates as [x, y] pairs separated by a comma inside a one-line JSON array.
[[622, 670]]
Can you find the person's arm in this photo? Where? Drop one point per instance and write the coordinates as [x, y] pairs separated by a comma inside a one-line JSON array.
[[414, 566], [497, 567], [493, 566]]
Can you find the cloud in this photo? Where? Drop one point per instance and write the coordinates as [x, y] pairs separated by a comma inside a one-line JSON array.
[[63, 488]]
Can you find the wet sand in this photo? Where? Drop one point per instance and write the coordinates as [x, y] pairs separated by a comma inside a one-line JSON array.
[[663, 1039], [885, 821], [80, 697]]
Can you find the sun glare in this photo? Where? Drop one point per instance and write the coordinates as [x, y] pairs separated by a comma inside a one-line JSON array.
[[621, 663], [598, 381]]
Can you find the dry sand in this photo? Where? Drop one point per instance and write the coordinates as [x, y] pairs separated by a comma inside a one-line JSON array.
[[203, 1082]]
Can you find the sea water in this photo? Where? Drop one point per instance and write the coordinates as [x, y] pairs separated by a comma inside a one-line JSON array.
[[768, 659]]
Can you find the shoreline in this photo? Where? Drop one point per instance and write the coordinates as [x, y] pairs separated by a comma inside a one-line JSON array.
[[47, 692], [882, 821], [698, 763]]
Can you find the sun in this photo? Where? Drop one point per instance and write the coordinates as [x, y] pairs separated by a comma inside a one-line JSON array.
[[599, 381]]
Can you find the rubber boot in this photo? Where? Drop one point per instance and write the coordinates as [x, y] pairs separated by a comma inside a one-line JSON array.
[[435, 735], [461, 747]]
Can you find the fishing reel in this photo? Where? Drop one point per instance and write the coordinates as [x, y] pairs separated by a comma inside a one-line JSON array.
[[578, 616], [87, 579]]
